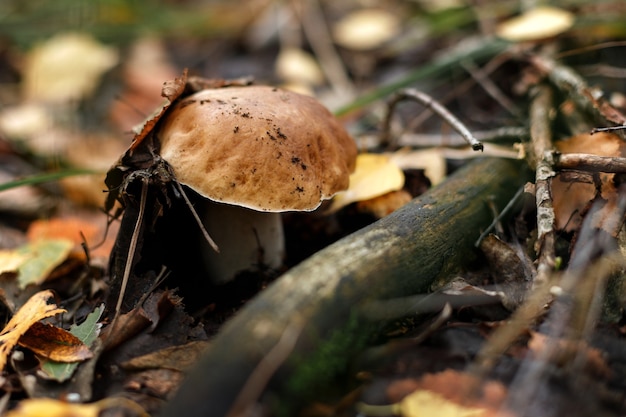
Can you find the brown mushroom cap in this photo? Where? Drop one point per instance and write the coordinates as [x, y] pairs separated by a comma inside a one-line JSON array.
[[258, 147]]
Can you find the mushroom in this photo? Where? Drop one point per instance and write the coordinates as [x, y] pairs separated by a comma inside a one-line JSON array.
[[254, 152]]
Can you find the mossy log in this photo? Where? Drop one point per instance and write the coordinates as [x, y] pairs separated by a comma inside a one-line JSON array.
[[317, 302]]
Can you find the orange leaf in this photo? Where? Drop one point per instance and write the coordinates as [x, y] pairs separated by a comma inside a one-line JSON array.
[[569, 350], [451, 387], [54, 343], [76, 229], [35, 309]]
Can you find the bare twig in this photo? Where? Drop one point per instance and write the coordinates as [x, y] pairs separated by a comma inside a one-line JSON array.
[[205, 233], [499, 217], [578, 304], [534, 306], [589, 162], [608, 129], [591, 48], [541, 139], [588, 100], [453, 140], [430, 103], [132, 248]]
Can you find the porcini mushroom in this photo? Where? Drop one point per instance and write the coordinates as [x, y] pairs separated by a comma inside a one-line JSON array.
[[254, 151]]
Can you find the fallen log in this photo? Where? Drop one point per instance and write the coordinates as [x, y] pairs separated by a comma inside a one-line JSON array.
[[300, 333]]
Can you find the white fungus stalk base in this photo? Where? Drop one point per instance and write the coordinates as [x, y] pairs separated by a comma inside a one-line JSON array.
[[248, 240]]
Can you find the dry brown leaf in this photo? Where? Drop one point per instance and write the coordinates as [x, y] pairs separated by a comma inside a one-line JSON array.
[[35, 309], [159, 383], [54, 343], [571, 198], [178, 358]]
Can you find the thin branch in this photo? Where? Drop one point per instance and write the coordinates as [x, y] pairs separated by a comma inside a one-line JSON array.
[[428, 102], [571, 83], [205, 233], [452, 140], [499, 217], [541, 139], [590, 162], [132, 248]]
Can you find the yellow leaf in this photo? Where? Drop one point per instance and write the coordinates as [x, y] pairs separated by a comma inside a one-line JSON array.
[[45, 407], [432, 161], [10, 260], [373, 176], [35, 309], [422, 403], [536, 24]]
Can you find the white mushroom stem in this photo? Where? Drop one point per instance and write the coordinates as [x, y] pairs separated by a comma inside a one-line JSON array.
[[248, 240]]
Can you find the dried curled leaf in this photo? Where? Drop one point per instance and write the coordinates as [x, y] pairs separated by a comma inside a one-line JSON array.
[[35, 309], [54, 343], [86, 332]]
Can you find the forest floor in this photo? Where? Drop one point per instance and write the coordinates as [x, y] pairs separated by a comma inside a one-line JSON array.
[[452, 279]]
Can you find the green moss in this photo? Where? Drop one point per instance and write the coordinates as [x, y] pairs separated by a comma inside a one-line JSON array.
[[330, 361]]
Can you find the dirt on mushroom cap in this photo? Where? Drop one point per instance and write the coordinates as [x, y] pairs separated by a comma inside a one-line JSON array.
[[258, 147]]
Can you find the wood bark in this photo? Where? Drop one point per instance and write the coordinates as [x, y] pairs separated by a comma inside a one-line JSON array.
[[318, 303]]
